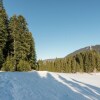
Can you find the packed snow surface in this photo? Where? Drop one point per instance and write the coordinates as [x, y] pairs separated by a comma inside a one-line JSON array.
[[44, 85]]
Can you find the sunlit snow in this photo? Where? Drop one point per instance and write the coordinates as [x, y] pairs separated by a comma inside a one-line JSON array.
[[44, 85]]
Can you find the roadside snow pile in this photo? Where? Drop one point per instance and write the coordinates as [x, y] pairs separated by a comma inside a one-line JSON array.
[[49, 86]]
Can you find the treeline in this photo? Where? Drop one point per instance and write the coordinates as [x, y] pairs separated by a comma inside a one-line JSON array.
[[88, 61], [17, 47]]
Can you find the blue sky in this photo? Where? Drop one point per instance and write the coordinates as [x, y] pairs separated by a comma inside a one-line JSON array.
[[59, 27]]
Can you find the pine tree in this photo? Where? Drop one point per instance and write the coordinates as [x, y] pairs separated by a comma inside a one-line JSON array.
[[31, 56], [27, 47], [13, 27], [3, 31], [3, 26], [22, 41]]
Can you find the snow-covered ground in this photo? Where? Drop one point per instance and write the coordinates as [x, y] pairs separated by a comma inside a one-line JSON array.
[[44, 85]]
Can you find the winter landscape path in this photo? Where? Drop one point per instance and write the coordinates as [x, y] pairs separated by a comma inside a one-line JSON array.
[[44, 85]]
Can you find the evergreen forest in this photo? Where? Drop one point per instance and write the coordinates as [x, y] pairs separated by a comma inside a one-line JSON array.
[[87, 61], [17, 47]]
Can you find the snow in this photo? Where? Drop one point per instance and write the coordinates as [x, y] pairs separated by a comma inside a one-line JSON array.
[[43, 85]]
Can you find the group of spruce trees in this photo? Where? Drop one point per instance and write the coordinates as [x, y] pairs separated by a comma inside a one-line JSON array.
[[17, 48], [87, 61]]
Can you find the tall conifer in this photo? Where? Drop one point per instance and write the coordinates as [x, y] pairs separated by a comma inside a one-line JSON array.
[[3, 29]]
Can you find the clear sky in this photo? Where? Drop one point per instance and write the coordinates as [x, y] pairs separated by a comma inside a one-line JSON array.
[[59, 27]]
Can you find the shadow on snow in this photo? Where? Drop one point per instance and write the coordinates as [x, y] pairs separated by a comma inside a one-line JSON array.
[[31, 86]]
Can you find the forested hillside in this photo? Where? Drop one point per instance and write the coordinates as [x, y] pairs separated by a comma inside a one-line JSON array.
[[17, 47], [87, 61], [88, 48]]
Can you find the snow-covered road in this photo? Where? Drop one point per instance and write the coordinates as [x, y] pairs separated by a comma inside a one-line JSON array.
[[44, 85]]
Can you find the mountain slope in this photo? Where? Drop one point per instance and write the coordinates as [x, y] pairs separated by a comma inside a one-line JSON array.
[[48, 86], [88, 48]]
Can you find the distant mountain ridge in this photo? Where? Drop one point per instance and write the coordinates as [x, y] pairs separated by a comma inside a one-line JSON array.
[[50, 60], [88, 48]]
